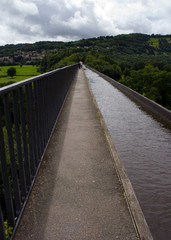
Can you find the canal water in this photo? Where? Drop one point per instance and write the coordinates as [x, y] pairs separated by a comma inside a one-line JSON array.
[[144, 145]]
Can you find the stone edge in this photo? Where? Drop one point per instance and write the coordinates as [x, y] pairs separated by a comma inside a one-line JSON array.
[[137, 215]]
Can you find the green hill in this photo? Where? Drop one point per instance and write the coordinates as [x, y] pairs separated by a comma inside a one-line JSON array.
[[140, 61], [117, 47]]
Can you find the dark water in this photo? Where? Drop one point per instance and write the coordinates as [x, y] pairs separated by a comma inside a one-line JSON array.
[[144, 145]]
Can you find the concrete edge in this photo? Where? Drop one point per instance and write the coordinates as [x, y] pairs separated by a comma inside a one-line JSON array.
[[137, 215], [156, 108]]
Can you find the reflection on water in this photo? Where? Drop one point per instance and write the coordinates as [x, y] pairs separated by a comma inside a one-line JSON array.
[[144, 145]]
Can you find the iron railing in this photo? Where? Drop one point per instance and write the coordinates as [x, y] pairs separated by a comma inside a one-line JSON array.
[[28, 112]]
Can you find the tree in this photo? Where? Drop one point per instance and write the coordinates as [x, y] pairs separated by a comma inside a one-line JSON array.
[[11, 72]]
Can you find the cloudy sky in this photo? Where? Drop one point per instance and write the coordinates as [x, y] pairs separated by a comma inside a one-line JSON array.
[[28, 21]]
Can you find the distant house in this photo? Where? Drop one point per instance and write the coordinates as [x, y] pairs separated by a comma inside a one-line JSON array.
[[6, 59]]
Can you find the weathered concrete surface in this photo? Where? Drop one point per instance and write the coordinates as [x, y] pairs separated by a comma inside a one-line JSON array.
[[77, 194]]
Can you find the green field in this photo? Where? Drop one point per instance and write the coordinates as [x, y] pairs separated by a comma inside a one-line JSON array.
[[24, 72]]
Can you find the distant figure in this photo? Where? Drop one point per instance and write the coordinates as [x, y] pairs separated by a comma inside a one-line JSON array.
[[80, 64]]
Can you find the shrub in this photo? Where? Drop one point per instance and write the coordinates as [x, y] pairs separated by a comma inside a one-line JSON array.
[[11, 72]]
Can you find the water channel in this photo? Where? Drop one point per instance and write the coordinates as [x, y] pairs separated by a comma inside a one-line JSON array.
[[144, 145]]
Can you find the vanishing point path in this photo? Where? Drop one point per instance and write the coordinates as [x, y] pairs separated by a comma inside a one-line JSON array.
[[77, 194]]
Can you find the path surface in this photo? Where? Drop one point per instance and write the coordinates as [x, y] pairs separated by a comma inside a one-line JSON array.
[[77, 194]]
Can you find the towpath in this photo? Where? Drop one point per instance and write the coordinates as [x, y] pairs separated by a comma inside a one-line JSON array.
[[77, 194]]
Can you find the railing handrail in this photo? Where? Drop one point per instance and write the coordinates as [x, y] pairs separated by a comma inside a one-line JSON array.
[[16, 85], [28, 114]]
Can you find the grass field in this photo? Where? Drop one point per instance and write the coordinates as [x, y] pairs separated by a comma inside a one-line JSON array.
[[22, 73]]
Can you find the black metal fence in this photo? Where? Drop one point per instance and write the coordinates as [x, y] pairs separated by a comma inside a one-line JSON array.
[[28, 112]]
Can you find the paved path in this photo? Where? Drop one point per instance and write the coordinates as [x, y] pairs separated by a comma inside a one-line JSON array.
[[77, 194]]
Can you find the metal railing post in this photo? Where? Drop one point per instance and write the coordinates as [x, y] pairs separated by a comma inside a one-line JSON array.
[[4, 170], [19, 149], [24, 139], [16, 191], [2, 229]]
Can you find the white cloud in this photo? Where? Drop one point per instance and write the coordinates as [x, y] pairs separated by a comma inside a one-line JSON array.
[[36, 20], [25, 8], [78, 3], [18, 7], [77, 21]]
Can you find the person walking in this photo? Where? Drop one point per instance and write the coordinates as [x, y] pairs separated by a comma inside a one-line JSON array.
[[80, 64]]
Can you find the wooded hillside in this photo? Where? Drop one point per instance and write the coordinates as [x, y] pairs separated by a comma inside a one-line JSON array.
[[141, 62]]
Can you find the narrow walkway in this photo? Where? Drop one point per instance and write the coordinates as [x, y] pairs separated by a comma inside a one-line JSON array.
[[77, 194]]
